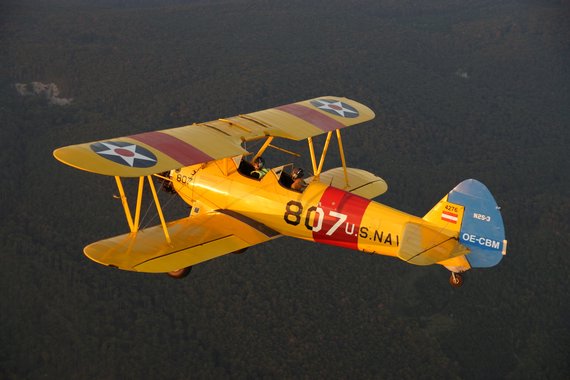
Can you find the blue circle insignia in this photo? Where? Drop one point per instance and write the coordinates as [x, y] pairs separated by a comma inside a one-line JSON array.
[[125, 153], [336, 108]]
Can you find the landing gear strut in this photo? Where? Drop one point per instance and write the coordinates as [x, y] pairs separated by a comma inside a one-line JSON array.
[[456, 280], [180, 273]]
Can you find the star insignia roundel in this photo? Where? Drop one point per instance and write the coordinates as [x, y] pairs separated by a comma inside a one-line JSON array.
[[125, 153], [336, 107]]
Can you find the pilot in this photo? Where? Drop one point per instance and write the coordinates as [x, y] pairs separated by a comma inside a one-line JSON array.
[[259, 166], [298, 182]]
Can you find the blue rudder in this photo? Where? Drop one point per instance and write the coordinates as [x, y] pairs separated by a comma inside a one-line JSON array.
[[482, 229]]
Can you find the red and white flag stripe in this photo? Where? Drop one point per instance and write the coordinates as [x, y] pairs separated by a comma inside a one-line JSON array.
[[449, 217]]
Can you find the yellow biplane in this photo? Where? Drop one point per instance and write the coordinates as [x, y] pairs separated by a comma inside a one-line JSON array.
[[236, 203]]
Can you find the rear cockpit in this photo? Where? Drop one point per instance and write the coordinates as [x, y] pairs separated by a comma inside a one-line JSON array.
[[283, 174]]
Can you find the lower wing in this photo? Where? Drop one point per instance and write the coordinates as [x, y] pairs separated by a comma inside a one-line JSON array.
[[193, 240], [355, 181]]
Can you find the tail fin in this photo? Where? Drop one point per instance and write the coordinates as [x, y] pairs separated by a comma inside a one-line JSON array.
[[470, 212]]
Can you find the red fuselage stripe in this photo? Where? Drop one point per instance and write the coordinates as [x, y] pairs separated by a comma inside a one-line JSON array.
[[179, 150], [312, 116], [336, 204]]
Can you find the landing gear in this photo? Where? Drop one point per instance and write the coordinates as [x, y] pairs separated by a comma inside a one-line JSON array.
[[456, 280], [180, 273]]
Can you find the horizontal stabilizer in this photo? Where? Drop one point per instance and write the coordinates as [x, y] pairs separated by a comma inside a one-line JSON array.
[[193, 240], [422, 245]]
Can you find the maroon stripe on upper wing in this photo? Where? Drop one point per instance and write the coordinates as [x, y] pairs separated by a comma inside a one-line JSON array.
[[179, 150], [312, 116]]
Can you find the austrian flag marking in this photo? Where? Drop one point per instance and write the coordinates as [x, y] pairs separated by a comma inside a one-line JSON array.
[[450, 217]]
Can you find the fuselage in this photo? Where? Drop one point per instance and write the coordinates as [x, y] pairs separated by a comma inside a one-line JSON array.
[[320, 213]]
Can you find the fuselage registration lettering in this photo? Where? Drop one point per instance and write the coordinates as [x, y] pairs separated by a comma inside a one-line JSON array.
[[481, 240], [293, 216], [380, 236], [294, 210]]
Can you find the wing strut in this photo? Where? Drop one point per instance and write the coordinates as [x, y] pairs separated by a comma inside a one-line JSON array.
[[341, 151], [134, 222], [263, 147], [139, 202], [159, 209], [317, 169], [324, 154], [123, 198]]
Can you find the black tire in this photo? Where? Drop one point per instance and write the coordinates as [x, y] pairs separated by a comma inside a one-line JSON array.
[[180, 273], [456, 280]]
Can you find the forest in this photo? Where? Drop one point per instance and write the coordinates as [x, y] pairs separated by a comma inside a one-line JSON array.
[[461, 89]]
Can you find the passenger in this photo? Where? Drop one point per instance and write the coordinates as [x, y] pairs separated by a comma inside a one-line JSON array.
[[298, 182], [259, 166]]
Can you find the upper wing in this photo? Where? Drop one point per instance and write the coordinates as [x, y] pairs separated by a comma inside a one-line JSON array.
[[193, 240], [159, 151]]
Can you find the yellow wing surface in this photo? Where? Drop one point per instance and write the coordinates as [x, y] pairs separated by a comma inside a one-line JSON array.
[[193, 240], [355, 181], [158, 151]]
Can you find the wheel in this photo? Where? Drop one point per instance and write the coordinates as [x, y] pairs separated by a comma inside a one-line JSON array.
[[180, 273], [456, 280], [239, 251]]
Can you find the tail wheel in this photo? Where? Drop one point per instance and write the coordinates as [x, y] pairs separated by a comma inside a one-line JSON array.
[[180, 273], [455, 280]]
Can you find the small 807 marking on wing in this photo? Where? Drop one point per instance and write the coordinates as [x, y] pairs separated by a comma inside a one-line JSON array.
[[185, 180]]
